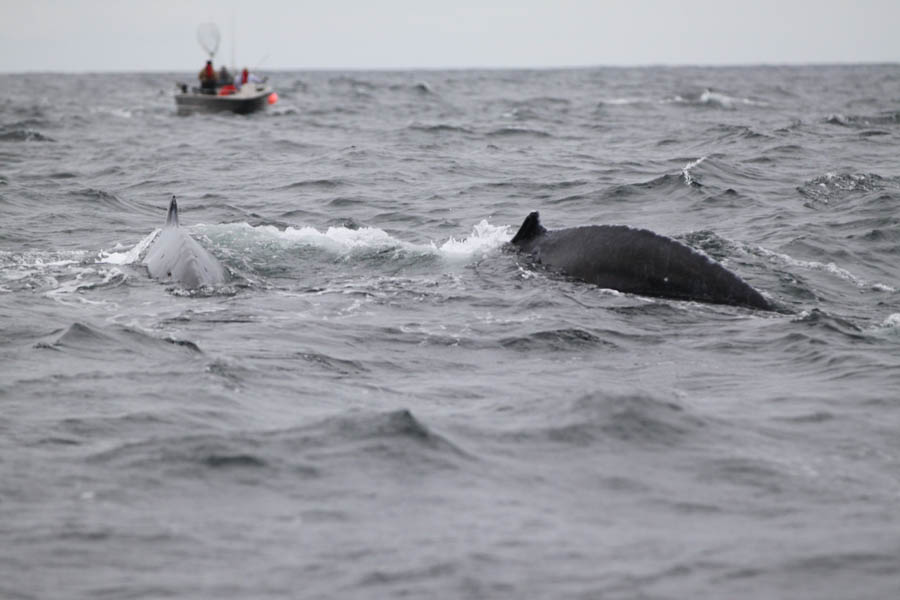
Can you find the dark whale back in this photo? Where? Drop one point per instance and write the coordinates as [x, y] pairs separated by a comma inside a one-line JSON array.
[[634, 261], [530, 229], [172, 215]]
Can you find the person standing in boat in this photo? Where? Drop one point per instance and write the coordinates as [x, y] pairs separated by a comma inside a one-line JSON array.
[[207, 78], [225, 77], [240, 80], [248, 77]]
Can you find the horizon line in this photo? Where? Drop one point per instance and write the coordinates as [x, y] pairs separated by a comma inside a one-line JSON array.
[[103, 71]]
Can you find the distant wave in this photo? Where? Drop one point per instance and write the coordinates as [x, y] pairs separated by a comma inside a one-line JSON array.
[[719, 174], [624, 101], [85, 339], [347, 443], [714, 99], [648, 189], [600, 419], [830, 268], [108, 200], [323, 184], [575, 340], [545, 108], [439, 128], [863, 121], [23, 135], [518, 131], [731, 132], [705, 98], [342, 80], [122, 113], [420, 87]]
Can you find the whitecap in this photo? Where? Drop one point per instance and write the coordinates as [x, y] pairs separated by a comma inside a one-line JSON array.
[[717, 99], [686, 171], [726, 101], [622, 101]]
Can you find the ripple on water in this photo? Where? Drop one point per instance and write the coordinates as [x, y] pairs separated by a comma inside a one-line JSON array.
[[354, 442]]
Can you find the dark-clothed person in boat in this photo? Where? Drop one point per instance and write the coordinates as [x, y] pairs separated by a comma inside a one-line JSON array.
[[207, 78]]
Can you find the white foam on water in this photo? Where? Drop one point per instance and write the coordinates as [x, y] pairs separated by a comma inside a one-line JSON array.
[[340, 240], [483, 238], [893, 321], [37, 266], [121, 256], [889, 328], [85, 278], [55, 274]]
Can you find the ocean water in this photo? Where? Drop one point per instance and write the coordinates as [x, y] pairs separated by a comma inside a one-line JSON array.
[[384, 401]]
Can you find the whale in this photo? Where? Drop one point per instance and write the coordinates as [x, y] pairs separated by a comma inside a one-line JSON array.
[[634, 261], [175, 256]]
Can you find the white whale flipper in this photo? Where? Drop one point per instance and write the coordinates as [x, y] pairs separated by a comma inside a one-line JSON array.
[[176, 256]]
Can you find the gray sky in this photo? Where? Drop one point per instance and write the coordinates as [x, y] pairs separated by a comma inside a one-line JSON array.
[[160, 35]]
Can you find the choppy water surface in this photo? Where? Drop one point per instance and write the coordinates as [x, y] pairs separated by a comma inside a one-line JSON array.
[[384, 402]]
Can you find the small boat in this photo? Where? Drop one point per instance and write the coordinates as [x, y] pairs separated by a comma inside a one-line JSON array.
[[250, 98]]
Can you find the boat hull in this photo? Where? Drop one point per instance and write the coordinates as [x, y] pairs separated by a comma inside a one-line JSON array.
[[242, 103]]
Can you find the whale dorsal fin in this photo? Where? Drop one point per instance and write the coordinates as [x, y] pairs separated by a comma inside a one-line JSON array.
[[172, 217], [530, 229]]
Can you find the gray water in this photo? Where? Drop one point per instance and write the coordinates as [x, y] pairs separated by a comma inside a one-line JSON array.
[[384, 401]]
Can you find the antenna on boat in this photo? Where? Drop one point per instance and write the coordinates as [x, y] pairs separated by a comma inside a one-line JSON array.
[[209, 38]]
